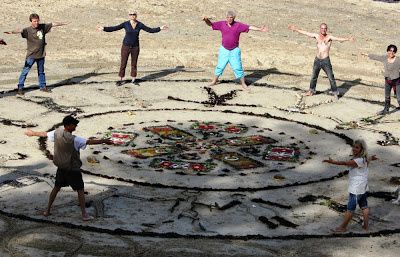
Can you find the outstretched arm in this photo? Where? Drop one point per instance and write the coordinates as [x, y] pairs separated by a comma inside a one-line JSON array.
[[350, 163], [375, 57], [110, 29], [31, 133], [308, 34], [152, 30], [57, 24], [207, 21], [16, 31], [99, 141], [263, 28], [342, 39]]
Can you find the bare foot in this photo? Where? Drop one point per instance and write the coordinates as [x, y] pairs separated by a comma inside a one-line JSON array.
[[339, 230], [87, 217], [309, 93], [46, 213], [213, 83]]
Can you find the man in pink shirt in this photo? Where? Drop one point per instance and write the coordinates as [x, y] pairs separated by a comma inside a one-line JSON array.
[[230, 52]]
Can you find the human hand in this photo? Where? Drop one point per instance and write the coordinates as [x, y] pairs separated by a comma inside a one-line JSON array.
[[364, 54], [29, 133], [264, 28], [100, 28], [328, 160], [7, 32], [291, 27], [351, 39], [164, 27], [374, 158]]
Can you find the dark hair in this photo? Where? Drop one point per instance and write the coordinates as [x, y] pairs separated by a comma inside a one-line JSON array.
[[69, 120], [33, 16], [390, 47]]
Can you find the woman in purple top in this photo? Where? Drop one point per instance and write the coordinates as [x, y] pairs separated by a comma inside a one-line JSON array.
[[130, 44], [230, 52], [392, 74]]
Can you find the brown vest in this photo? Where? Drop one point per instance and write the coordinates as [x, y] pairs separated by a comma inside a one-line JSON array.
[[65, 157]]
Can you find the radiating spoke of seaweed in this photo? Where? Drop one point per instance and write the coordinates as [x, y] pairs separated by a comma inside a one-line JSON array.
[[259, 200], [389, 139], [214, 99], [17, 123], [284, 222], [267, 222], [49, 103]]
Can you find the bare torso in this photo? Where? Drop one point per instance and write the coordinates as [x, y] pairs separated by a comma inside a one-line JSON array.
[[323, 46]]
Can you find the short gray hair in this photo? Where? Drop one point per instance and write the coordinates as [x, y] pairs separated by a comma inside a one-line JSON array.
[[230, 13]]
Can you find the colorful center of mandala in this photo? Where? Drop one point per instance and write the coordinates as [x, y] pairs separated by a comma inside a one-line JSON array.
[[204, 147]]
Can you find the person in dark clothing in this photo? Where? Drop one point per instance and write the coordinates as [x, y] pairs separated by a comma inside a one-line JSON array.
[[130, 44], [67, 159]]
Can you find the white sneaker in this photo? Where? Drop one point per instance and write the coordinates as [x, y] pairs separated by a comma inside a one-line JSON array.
[[133, 80]]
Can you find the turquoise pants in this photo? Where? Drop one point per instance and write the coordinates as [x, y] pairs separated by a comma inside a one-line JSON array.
[[233, 57]]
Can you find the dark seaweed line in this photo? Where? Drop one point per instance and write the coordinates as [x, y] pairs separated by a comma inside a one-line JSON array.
[[126, 232], [209, 102], [178, 81], [210, 189]]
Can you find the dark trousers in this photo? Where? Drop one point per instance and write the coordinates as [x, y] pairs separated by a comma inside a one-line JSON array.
[[133, 51], [326, 65], [389, 84]]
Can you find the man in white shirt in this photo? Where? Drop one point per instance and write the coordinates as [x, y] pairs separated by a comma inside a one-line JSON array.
[[67, 159]]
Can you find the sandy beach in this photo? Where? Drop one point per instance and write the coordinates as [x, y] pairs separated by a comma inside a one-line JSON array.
[[184, 193]]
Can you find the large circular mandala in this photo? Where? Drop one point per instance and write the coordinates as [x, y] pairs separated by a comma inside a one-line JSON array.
[[211, 152]]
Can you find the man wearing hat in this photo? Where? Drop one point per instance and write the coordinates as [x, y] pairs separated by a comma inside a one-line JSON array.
[[36, 49], [67, 159]]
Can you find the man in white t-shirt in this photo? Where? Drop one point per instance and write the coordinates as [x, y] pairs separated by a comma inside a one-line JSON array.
[[67, 159]]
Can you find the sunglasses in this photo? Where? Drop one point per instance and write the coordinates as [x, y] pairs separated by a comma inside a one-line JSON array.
[[132, 14]]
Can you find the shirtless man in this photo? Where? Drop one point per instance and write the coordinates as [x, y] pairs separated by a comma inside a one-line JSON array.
[[322, 61]]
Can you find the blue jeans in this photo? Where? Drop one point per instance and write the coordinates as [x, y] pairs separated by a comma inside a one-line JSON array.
[[326, 65], [27, 67], [233, 57], [361, 200]]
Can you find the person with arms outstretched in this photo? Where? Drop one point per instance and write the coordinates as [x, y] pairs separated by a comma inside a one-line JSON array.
[[358, 183], [322, 60], [67, 159], [130, 44], [391, 65], [229, 51], [36, 51]]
